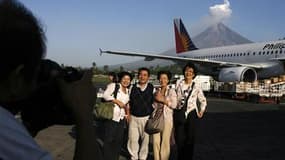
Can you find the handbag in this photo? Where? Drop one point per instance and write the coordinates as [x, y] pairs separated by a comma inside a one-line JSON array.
[[179, 114], [105, 109], [155, 123]]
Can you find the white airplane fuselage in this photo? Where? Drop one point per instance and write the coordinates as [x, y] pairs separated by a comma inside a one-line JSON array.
[[265, 54]]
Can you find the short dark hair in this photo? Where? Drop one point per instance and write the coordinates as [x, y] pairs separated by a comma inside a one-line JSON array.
[[22, 39], [190, 65], [114, 75], [167, 73], [123, 73], [144, 69]]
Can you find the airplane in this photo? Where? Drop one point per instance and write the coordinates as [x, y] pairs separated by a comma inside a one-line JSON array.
[[244, 62]]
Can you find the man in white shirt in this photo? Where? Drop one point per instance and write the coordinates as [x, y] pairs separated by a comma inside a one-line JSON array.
[[141, 100], [22, 46]]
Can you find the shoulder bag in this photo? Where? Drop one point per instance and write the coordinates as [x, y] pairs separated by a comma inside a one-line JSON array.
[[105, 109], [155, 123]]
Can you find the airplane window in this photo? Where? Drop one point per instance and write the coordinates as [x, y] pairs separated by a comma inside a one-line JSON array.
[[263, 52], [253, 53], [248, 53], [276, 51], [259, 53], [280, 51], [231, 55], [241, 54], [267, 52], [234, 54], [271, 52]]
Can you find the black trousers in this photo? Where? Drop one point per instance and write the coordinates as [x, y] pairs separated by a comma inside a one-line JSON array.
[[113, 139], [185, 136]]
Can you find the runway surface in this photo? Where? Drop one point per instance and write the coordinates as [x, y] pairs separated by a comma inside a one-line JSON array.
[[230, 130]]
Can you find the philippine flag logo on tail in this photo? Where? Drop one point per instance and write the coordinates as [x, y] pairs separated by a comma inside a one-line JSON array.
[[182, 38]]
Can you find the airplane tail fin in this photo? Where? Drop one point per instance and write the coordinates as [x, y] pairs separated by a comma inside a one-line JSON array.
[[182, 38]]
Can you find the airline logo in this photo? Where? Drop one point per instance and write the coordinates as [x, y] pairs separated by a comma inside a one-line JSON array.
[[274, 46], [182, 38]]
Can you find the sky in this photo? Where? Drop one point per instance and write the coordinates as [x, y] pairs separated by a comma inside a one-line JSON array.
[[76, 29]]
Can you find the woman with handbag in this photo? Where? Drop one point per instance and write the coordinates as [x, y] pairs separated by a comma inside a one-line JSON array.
[[114, 128], [166, 98], [185, 124]]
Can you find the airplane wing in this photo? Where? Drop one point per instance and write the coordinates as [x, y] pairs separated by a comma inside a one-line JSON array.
[[150, 56]]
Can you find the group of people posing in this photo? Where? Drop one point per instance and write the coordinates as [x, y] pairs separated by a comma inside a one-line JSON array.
[[135, 103]]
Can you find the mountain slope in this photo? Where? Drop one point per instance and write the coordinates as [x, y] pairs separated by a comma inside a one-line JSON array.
[[218, 35]]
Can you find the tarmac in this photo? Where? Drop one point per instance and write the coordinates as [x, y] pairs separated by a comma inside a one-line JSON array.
[[230, 130]]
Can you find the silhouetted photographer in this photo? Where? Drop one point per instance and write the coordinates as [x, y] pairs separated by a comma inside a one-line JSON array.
[[22, 48], [45, 107]]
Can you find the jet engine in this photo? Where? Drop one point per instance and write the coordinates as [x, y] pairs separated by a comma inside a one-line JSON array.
[[232, 74]]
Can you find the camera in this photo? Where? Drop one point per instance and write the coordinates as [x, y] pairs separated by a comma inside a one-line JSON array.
[[182, 101], [44, 107], [185, 94]]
